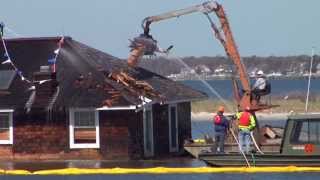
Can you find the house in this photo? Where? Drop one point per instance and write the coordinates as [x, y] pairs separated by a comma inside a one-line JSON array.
[[318, 68], [79, 111]]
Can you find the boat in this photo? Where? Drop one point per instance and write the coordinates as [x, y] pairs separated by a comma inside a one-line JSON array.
[[299, 146]]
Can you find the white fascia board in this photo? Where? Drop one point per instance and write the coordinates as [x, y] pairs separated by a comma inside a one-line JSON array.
[[6, 110], [141, 106], [105, 108]]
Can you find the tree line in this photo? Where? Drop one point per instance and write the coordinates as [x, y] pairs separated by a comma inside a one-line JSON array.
[[284, 64]]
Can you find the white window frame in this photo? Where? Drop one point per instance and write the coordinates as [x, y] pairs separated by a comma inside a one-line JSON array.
[[173, 149], [74, 145], [148, 153], [10, 140]]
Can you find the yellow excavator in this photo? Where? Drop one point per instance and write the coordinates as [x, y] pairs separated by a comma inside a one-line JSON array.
[[146, 45]]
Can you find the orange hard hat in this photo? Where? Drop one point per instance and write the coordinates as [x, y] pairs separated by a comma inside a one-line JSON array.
[[221, 109]]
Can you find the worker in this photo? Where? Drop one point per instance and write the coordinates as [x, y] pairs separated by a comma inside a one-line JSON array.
[[221, 126], [261, 87], [246, 126]]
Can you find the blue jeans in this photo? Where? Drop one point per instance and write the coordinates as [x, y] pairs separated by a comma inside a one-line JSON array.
[[244, 141], [219, 137]]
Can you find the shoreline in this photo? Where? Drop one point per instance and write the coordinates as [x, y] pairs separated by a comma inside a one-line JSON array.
[[207, 116], [217, 78]]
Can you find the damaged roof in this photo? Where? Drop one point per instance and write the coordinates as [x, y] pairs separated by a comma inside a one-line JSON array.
[[83, 77]]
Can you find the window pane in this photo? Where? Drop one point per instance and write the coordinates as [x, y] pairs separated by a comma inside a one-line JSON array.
[[84, 135], [305, 132], [4, 126], [4, 120], [313, 127], [148, 130], [84, 119], [173, 127]]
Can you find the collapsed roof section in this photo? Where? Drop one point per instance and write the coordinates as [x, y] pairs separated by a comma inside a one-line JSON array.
[[85, 77]]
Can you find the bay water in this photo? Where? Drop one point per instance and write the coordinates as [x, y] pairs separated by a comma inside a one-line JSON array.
[[279, 88]]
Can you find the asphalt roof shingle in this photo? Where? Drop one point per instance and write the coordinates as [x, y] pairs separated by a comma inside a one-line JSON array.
[[82, 75]]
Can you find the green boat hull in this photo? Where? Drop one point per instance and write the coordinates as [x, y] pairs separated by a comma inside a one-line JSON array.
[[213, 159]]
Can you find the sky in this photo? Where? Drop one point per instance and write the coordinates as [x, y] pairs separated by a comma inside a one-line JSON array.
[[260, 27]]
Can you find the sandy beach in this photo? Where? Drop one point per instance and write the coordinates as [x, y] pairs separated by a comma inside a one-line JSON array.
[[205, 116]]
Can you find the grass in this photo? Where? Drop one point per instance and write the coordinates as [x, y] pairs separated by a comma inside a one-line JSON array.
[[285, 105]]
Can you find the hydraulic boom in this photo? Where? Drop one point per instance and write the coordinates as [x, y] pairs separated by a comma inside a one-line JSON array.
[[145, 44]]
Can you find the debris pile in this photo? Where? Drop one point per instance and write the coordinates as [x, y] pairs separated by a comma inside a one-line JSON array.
[[137, 87], [115, 95], [271, 134]]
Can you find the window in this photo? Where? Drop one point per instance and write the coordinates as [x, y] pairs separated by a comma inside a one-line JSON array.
[[6, 131], [84, 128], [148, 132], [306, 132], [173, 128]]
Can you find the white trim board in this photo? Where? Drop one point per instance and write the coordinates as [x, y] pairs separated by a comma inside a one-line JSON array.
[[6, 110], [105, 108]]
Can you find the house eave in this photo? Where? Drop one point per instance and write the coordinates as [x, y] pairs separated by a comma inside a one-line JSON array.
[[141, 106]]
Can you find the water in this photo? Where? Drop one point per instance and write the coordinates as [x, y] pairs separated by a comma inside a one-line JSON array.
[[201, 127], [280, 88], [211, 89]]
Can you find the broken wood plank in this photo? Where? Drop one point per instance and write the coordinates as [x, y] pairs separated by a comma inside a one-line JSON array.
[[126, 76], [269, 133], [145, 84]]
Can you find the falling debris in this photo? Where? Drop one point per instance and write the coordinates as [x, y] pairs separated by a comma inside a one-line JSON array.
[[135, 54]]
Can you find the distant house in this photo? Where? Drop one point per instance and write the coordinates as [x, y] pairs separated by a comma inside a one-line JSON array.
[[202, 69], [318, 68], [79, 112]]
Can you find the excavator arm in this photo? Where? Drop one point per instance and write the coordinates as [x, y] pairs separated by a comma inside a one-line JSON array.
[[146, 45], [140, 46], [205, 7], [227, 41]]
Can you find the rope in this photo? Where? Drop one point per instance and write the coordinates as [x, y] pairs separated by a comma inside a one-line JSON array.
[[253, 159], [255, 143], [10, 60]]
